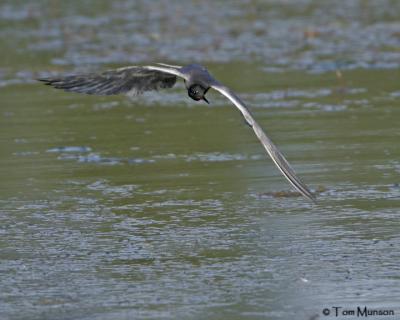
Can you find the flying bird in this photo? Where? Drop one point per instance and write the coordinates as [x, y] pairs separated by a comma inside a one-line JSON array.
[[134, 80]]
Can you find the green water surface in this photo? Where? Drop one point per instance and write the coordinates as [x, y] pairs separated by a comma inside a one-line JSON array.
[[159, 207]]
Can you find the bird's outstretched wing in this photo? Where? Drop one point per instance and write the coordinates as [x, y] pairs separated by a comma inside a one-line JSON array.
[[133, 80], [271, 149]]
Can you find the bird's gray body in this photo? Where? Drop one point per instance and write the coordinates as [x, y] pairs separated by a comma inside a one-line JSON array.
[[135, 80], [197, 75]]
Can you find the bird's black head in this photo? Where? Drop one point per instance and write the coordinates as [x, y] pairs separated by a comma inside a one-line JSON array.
[[197, 92]]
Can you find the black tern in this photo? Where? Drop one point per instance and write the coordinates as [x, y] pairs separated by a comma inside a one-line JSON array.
[[134, 80]]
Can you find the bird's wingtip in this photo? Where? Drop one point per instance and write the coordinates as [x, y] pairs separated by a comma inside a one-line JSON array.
[[45, 80], [313, 198]]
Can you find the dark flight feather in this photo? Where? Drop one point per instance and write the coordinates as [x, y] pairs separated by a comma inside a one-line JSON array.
[[131, 80]]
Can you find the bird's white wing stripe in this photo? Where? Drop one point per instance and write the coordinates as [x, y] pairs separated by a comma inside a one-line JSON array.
[[169, 65], [276, 156], [167, 70]]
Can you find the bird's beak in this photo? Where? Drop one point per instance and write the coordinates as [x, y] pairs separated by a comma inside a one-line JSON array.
[[204, 98]]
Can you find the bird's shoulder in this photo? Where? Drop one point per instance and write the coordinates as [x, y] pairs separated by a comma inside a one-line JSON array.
[[198, 74]]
